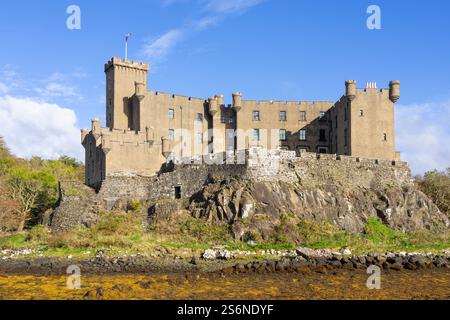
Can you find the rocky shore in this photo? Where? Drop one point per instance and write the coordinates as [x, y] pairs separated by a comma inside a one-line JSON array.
[[224, 261], [323, 260]]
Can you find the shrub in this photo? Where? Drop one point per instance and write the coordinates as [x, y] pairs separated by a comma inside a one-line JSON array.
[[135, 205], [436, 185]]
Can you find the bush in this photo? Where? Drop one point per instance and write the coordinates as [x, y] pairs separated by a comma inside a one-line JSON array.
[[201, 230], [436, 185], [29, 188], [135, 205], [378, 233]]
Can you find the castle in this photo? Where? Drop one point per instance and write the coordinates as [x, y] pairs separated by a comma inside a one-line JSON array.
[[146, 130]]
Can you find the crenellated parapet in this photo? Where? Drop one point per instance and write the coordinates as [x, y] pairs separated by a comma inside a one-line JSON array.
[[126, 64]]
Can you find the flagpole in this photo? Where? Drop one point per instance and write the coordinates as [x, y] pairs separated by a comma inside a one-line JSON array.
[[127, 36]]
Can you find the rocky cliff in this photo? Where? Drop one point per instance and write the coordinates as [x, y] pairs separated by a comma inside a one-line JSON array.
[[345, 191]]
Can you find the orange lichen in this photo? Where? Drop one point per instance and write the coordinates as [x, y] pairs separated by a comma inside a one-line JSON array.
[[397, 285]]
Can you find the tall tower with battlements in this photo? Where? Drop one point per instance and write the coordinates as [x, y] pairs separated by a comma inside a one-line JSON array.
[[122, 78]]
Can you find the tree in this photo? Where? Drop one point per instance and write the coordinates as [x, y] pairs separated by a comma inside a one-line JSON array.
[[10, 211], [436, 185], [34, 190]]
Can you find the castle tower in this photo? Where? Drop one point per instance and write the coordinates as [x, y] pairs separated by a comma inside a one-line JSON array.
[[123, 80]]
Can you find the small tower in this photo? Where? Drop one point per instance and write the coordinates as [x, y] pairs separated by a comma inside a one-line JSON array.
[[394, 90], [140, 90], [350, 89], [213, 106], [237, 101]]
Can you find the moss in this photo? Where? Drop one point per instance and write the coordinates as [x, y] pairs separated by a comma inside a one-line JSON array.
[[17, 241]]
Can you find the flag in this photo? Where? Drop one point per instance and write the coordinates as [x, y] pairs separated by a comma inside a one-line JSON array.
[[127, 36]]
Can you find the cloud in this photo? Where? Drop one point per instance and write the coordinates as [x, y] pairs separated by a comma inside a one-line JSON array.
[[423, 135], [159, 48], [230, 6], [55, 89], [212, 13], [34, 128], [3, 88]]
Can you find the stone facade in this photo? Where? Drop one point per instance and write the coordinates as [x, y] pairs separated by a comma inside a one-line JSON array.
[[146, 129]]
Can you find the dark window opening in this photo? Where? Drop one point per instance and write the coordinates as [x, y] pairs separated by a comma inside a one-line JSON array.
[[178, 192], [322, 150], [322, 135]]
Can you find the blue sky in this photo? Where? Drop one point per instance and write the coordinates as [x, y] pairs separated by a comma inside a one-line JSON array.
[[267, 49]]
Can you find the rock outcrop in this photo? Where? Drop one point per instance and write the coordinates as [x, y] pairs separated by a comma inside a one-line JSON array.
[[322, 190], [256, 196]]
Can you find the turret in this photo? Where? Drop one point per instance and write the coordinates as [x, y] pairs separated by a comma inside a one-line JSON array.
[[350, 89], [237, 101], [140, 90], [213, 108], [394, 91], [84, 133], [166, 147], [96, 130], [219, 98], [106, 143]]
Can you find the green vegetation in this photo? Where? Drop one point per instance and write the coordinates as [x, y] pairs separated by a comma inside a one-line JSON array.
[[30, 187], [119, 231], [436, 185]]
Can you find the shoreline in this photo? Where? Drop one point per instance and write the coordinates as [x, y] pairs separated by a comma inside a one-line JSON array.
[[305, 260]]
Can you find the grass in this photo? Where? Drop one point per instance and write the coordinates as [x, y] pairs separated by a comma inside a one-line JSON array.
[[118, 232]]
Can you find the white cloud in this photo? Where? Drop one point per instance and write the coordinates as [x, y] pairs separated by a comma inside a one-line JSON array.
[[230, 6], [213, 11], [3, 88], [34, 128], [159, 48], [423, 135], [55, 89]]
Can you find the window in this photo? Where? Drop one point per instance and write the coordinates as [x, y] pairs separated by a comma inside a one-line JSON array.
[[282, 134], [171, 135], [302, 135], [222, 119], [282, 115], [256, 135], [322, 135], [199, 117], [322, 150], [345, 137], [361, 112], [256, 116], [322, 116], [302, 115], [385, 136], [178, 192], [231, 120], [171, 114], [199, 138]]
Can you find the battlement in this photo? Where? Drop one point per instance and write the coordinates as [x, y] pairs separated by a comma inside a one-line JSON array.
[[126, 63], [286, 102], [177, 96]]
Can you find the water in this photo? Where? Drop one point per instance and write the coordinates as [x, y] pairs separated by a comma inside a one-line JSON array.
[[428, 284]]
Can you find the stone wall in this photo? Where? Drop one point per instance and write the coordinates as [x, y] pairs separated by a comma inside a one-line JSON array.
[[190, 179]]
